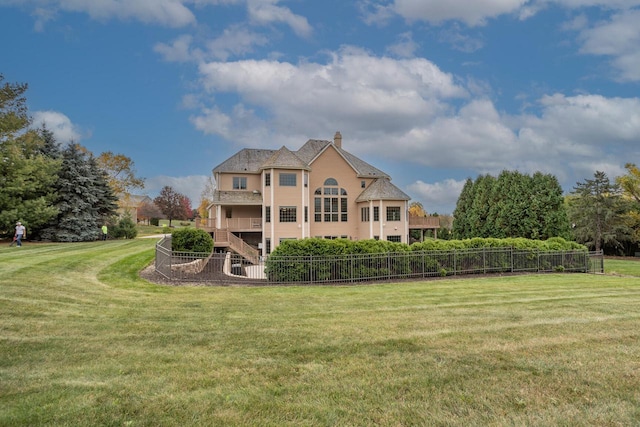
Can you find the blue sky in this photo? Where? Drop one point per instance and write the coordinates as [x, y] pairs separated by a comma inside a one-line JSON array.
[[431, 92]]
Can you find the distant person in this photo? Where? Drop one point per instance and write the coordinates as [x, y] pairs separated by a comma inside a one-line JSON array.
[[105, 231], [21, 233]]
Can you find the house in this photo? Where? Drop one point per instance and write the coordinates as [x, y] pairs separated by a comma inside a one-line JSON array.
[[130, 203], [264, 197]]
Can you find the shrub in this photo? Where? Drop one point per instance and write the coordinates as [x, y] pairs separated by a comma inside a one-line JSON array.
[[124, 229], [191, 240], [155, 221]]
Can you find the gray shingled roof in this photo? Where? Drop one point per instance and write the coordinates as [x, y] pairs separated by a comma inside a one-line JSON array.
[[245, 160], [382, 189], [253, 160], [285, 159], [237, 197]]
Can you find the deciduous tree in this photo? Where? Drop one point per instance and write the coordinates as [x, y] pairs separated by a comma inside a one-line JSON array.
[[121, 173], [171, 203]]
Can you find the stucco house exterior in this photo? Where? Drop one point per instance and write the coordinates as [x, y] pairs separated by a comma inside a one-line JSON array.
[[130, 203], [321, 190]]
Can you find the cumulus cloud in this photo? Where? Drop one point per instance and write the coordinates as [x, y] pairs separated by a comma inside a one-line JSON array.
[[353, 89], [58, 123], [618, 38], [440, 197]]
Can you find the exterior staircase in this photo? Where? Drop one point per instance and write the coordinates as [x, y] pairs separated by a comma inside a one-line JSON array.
[[236, 244]]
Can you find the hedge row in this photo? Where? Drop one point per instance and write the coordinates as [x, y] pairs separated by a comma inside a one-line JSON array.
[[317, 260]]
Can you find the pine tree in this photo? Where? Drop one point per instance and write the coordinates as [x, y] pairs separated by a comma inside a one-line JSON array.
[[78, 201], [596, 209], [106, 200]]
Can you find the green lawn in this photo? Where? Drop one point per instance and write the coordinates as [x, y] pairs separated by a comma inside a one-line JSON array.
[[86, 342]]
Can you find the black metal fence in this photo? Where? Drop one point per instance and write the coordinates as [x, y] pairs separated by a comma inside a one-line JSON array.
[[228, 268]]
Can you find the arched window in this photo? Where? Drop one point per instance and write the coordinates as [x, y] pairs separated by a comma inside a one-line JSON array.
[[330, 202]]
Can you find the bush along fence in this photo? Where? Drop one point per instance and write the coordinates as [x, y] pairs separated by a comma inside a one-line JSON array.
[[283, 268]]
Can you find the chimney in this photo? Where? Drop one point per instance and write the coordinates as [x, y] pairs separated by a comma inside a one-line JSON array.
[[337, 140]]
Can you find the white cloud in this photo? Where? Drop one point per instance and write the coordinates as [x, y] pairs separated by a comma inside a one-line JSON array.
[[171, 13], [405, 47], [266, 12], [59, 124], [352, 90], [179, 50], [470, 12], [235, 41], [476, 12], [619, 38], [440, 197], [191, 186]]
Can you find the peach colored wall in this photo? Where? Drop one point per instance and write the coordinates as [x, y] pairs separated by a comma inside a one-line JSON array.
[[225, 181]]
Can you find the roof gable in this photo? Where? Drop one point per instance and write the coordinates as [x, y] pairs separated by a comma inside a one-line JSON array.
[[382, 189], [284, 159]]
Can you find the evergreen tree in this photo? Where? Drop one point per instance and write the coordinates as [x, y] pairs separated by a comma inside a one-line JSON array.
[[106, 200], [461, 223], [596, 209], [483, 199], [512, 205], [80, 203], [26, 175], [50, 147], [547, 208]]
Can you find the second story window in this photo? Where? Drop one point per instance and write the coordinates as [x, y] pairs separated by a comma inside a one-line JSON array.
[[239, 183], [330, 203], [267, 214], [287, 179], [376, 213], [364, 214], [267, 179]]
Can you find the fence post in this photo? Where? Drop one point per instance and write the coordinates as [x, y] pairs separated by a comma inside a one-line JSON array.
[[484, 260], [511, 252], [455, 262]]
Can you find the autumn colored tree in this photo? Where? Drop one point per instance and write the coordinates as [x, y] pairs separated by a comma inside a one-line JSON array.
[[121, 173], [206, 197], [172, 204], [416, 209], [630, 185], [187, 211]]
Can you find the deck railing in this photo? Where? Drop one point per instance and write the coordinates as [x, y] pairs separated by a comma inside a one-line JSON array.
[[247, 224], [232, 224]]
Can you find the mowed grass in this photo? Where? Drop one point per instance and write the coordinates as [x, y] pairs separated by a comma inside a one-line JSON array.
[[84, 341]]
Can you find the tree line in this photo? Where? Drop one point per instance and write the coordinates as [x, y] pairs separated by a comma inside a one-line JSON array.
[[64, 193], [599, 213]]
